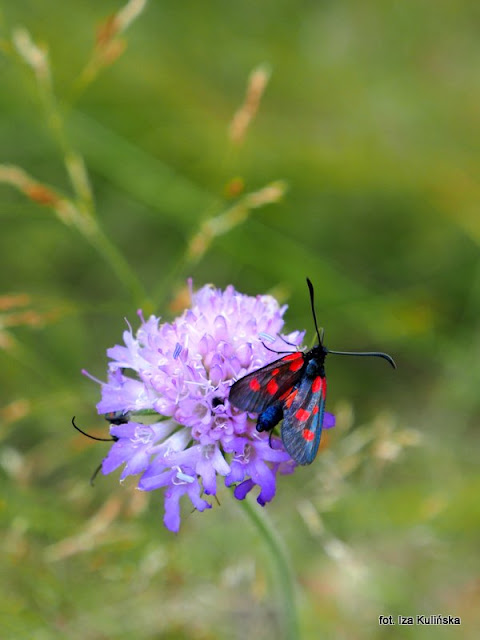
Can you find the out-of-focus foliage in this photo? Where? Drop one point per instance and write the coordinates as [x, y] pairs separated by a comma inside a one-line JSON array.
[[370, 119]]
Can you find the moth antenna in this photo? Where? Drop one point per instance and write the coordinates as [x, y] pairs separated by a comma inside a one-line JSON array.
[[94, 475], [290, 344], [312, 302], [374, 354], [92, 437], [273, 350]]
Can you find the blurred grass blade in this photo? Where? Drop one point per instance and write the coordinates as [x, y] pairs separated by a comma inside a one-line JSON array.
[[136, 172], [72, 215], [108, 45], [242, 118], [228, 220]]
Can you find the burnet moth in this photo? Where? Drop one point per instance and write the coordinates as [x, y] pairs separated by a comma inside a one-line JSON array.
[[293, 388]]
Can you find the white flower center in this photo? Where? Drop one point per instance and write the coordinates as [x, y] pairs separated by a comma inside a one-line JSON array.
[[143, 435]]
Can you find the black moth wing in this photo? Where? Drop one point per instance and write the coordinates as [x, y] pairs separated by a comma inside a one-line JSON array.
[[258, 390], [303, 419]]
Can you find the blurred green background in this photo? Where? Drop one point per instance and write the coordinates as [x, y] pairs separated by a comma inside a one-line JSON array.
[[371, 120]]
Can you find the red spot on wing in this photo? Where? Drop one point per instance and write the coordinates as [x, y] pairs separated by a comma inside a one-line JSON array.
[[254, 384], [296, 365], [290, 399], [308, 435], [275, 371], [317, 384], [315, 409], [272, 387], [293, 356], [296, 359], [302, 415]]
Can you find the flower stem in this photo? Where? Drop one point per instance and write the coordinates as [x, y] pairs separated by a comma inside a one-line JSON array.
[[284, 576]]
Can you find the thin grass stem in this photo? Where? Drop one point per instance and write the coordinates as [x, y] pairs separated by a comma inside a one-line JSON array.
[[284, 578]]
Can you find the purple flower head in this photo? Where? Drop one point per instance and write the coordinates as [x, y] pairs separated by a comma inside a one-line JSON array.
[[175, 379]]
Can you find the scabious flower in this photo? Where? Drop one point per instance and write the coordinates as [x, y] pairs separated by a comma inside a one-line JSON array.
[[181, 373]]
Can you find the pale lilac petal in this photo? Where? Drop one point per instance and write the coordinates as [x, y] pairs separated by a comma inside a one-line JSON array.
[[209, 465], [193, 491], [265, 478], [171, 518], [155, 481]]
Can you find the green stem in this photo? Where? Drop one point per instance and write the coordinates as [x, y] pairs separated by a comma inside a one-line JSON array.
[[83, 201], [284, 576], [122, 269]]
